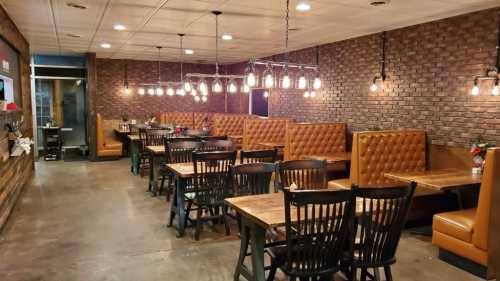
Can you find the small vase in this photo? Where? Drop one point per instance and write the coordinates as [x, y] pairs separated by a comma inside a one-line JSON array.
[[477, 168]]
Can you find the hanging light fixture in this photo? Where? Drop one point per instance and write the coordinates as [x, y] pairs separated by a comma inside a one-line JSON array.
[[250, 77], [197, 99], [268, 78], [266, 94], [126, 89], [492, 73], [245, 88], [204, 98], [141, 91], [285, 81], [382, 76], [302, 82], [170, 90], [159, 89], [217, 85], [317, 79], [232, 87], [151, 91]]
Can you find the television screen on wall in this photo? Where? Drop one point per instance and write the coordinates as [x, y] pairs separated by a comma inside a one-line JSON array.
[[9, 73], [2, 91]]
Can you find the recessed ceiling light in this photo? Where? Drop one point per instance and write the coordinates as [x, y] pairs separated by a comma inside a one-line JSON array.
[[106, 45], [188, 51], [119, 27], [303, 6], [73, 35], [379, 3], [227, 37], [76, 6]]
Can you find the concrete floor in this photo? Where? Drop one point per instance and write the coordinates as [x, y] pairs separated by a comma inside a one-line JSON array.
[[95, 221]]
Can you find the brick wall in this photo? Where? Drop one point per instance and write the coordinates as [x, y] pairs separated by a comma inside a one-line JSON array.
[[111, 102], [429, 76]]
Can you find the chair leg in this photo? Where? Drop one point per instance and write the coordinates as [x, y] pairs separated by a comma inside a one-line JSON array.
[[353, 274], [376, 273], [272, 271], [198, 223], [293, 278], [169, 188], [388, 273], [364, 274], [226, 222], [162, 183], [188, 210]]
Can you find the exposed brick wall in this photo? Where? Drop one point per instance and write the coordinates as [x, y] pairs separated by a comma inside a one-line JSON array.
[[111, 102], [430, 68]]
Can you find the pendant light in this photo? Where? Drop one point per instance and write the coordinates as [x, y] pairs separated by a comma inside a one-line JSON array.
[[317, 79], [374, 87], [302, 82], [159, 90], [126, 89], [245, 88], [285, 81], [496, 90], [217, 83], [250, 77], [268, 77], [181, 90], [202, 86], [141, 91], [232, 87], [170, 90]]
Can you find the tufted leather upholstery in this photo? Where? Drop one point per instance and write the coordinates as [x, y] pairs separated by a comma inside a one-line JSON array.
[[106, 146], [466, 232], [229, 124], [264, 130], [198, 119], [314, 139]]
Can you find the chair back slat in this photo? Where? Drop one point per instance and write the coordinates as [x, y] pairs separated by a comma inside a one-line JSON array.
[[257, 156], [304, 174], [252, 178], [212, 176], [155, 137], [317, 226], [182, 151], [218, 145], [380, 223]]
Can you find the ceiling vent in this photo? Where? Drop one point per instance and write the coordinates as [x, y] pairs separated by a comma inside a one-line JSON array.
[[76, 6]]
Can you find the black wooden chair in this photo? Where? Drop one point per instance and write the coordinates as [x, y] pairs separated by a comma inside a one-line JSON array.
[[218, 145], [176, 152], [378, 230], [156, 137], [256, 156], [252, 178], [317, 227], [210, 186], [304, 174]]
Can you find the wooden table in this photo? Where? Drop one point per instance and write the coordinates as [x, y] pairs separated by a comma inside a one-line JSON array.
[[440, 180], [273, 145], [259, 213], [333, 158], [156, 154], [134, 142], [183, 173], [122, 137], [237, 140]]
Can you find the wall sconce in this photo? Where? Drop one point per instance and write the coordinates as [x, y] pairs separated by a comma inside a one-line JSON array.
[[492, 73], [382, 76]]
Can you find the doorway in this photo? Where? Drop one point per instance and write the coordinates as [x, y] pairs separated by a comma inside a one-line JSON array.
[[259, 104]]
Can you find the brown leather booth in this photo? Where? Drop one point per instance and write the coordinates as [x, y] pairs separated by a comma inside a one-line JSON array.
[[314, 139], [198, 119], [378, 152], [106, 146], [466, 233], [261, 129], [183, 119], [229, 124]]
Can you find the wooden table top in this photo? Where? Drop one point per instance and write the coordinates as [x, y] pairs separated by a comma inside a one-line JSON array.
[[156, 149], [122, 131], [441, 180], [133, 137], [235, 136], [186, 170], [272, 144], [331, 158], [267, 210]]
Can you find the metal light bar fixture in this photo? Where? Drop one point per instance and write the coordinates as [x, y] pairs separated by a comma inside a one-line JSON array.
[[382, 76], [492, 73], [217, 85], [285, 81]]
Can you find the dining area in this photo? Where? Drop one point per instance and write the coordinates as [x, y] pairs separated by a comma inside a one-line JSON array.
[[217, 140], [310, 208]]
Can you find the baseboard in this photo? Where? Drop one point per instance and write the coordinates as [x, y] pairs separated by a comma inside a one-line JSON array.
[[465, 264]]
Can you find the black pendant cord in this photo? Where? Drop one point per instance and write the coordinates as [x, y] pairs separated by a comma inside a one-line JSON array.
[[159, 68], [382, 72], [181, 35], [287, 26], [125, 82], [217, 13]]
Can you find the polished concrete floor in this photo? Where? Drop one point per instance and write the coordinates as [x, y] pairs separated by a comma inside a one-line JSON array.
[[95, 221]]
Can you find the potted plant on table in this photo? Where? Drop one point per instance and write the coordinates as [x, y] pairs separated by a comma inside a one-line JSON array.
[[478, 151]]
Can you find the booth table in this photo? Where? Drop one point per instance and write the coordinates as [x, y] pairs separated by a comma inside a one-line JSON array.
[[134, 142], [157, 153]]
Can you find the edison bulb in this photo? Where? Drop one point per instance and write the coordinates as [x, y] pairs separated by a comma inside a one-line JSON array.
[[373, 87], [302, 82], [127, 91], [269, 81], [475, 90], [187, 86], [194, 92], [151, 91], [286, 82], [312, 94], [245, 89], [306, 94], [197, 99], [159, 91], [170, 91], [204, 98], [266, 94], [495, 91], [317, 83], [232, 88], [141, 91], [202, 86], [181, 92], [251, 79]]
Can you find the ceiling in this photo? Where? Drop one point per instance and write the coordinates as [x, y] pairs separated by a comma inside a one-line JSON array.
[[257, 26]]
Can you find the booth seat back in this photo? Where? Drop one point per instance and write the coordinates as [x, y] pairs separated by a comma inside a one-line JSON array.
[[199, 117], [314, 139], [100, 132], [109, 126], [229, 124], [183, 119], [379, 152], [489, 181], [264, 130]]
